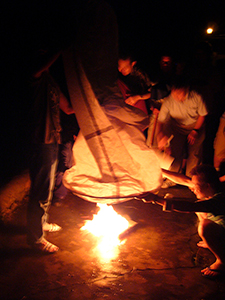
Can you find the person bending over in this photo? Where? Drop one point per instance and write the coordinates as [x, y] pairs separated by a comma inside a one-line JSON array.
[[182, 115], [210, 209]]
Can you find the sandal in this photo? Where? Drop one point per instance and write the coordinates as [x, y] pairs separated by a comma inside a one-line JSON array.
[[51, 227], [45, 246]]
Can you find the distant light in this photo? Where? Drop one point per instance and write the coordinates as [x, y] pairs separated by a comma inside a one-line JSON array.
[[209, 30]]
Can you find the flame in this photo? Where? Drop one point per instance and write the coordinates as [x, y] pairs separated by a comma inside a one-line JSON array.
[[107, 225]]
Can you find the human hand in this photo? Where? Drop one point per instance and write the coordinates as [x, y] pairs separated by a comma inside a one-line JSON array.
[[147, 197], [167, 150], [162, 142], [192, 137], [155, 111], [132, 100]]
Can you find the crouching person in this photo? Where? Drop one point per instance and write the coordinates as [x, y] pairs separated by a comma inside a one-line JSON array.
[[210, 209]]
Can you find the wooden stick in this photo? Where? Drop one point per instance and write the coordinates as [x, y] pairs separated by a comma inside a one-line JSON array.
[[153, 130]]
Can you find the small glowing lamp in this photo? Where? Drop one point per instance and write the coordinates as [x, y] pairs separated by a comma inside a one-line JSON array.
[[209, 30]]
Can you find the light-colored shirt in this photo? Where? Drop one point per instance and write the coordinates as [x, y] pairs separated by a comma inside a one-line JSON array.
[[184, 113]]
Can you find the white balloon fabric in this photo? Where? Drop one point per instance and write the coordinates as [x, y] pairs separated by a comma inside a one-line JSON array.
[[112, 161]]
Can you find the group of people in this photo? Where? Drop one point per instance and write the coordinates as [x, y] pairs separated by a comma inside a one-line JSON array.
[[179, 112]]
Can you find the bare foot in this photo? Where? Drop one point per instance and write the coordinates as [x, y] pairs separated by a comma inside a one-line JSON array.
[[215, 270], [202, 244]]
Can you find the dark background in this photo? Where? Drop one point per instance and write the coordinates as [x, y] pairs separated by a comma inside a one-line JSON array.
[[146, 28]]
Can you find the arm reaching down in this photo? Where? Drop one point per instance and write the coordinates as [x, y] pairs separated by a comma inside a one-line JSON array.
[[178, 178]]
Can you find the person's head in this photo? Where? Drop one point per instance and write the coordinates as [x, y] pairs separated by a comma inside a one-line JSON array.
[[166, 63], [205, 181], [126, 64], [203, 53], [180, 88]]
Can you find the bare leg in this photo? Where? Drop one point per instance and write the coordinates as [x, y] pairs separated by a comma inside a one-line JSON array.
[[213, 236]]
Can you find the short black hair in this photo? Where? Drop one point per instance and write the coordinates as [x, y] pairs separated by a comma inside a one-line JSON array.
[[206, 48], [127, 55], [180, 82], [208, 174]]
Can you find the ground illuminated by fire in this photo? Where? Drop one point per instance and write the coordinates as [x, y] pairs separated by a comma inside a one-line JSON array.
[[107, 225]]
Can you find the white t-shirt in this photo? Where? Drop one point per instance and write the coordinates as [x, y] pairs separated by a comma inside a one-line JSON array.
[[184, 113]]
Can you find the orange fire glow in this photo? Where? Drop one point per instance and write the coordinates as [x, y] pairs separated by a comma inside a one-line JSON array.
[[107, 225]]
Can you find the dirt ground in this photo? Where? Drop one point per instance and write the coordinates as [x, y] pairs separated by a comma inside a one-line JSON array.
[[159, 258]]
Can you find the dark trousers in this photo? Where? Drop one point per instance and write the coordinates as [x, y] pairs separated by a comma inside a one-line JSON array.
[[65, 162], [180, 149], [42, 174]]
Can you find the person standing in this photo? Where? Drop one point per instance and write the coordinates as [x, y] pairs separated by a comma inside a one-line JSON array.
[[48, 100]]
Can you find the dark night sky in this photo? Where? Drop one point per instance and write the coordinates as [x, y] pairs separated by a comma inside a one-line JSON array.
[[146, 27], [157, 25]]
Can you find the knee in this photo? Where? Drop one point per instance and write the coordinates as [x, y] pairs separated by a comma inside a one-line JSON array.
[[205, 227]]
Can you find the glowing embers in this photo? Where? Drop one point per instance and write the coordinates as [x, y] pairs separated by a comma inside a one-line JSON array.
[[107, 225]]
